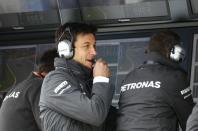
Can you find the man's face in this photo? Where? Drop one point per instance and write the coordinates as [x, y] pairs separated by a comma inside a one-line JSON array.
[[85, 50]]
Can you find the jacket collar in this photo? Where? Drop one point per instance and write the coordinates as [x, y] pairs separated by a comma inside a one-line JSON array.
[[77, 68], [156, 57]]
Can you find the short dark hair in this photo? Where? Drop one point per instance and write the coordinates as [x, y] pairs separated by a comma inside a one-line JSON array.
[[46, 61], [75, 29], [163, 41]]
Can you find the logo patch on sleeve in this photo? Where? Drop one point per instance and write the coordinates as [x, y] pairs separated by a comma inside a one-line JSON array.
[[62, 87], [186, 92]]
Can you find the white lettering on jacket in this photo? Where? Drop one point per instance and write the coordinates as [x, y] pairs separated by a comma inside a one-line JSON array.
[[62, 87], [12, 95], [138, 85], [184, 91]]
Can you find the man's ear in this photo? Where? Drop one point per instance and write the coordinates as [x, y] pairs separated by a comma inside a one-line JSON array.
[[167, 53], [43, 74]]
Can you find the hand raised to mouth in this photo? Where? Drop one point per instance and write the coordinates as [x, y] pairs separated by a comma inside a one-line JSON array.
[[101, 68]]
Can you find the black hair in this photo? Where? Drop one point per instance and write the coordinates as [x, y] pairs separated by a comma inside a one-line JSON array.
[[74, 30], [46, 61], [163, 41]]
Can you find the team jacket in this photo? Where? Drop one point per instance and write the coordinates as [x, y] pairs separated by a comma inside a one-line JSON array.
[[154, 97], [69, 102], [20, 110], [192, 123]]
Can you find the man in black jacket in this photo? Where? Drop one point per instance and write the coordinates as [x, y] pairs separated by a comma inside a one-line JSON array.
[[69, 100], [20, 110], [156, 96]]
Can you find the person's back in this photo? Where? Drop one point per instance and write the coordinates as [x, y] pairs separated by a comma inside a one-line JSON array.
[[153, 96], [15, 112], [148, 96], [20, 110]]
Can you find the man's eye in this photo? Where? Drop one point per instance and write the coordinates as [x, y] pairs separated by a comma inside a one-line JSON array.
[[86, 46]]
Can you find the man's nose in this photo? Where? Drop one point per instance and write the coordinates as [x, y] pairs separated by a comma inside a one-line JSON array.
[[93, 51]]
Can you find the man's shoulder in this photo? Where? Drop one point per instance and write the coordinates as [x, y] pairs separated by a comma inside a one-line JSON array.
[[58, 71], [33, 83], [55, 78], [27, 83]]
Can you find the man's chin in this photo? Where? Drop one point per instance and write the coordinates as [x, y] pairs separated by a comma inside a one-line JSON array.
[[90, 66]]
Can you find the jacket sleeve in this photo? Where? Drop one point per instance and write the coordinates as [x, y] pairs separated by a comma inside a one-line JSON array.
[[63, 95], [192, 123], [180, 97]]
